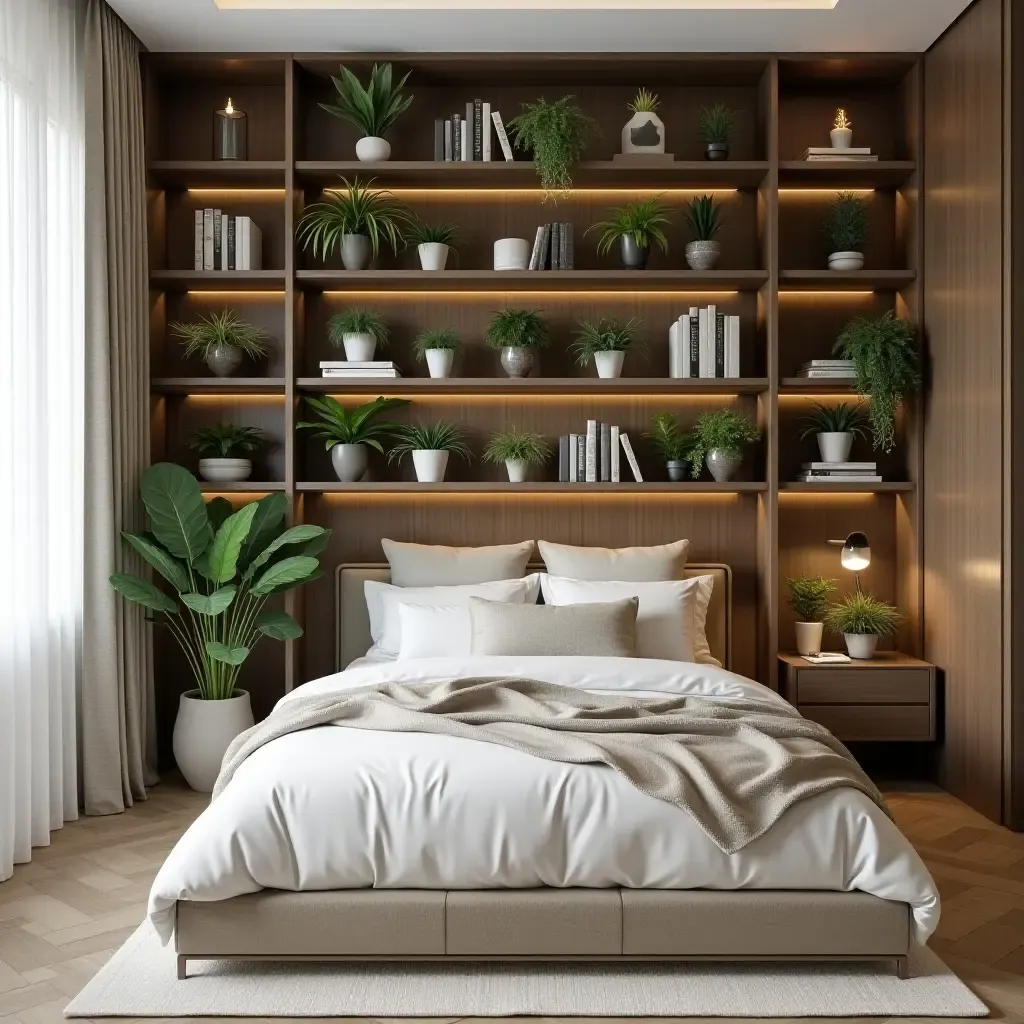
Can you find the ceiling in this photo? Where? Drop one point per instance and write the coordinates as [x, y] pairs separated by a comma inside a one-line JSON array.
[[851, 26]]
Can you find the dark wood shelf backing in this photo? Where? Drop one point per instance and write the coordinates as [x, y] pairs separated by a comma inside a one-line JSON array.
[[513, 387], [242, 487], [219, 280], [218, 385], [535, 487], [213, 174], [843, 174], [840, 487], [845, 281]]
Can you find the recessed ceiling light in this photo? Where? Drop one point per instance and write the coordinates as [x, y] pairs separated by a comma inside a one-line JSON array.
[[520, 5]]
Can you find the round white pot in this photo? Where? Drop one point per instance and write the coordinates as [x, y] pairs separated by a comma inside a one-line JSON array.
[[842, 138], [511, 254], [644, 132], [808, 637], [609, 364], [349, 462], [430, 465], [203, 730], [439, 361], [356, 251], [225, 471], [835, 446], [359, 348], [846, 261], [433, 255], [372, 149], [861, 646], [517, 470], [703, 255]]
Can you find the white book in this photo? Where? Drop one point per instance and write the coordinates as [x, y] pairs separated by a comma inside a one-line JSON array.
[[828, 374], [712, 315], [360, 374], [827, 658], [830, 150], [574, 440], [485, 125], [675, 350], [242, 243], [499, 128], [253, 250], [615, 455], [851, 478], [706, 367], [829, 364], [357, 364], [198, 262], [825, 157], [732, 351], [224, 218], [207, 239], [631, 458], [592, 443], [685, 365], [867, 467], [464, 144]]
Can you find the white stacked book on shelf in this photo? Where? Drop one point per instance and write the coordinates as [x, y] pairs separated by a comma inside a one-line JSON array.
[[468, 137], [226, 242], [831, 153], [358, 369], [840, 472], [828, 369], [594, 456], [704, 343]]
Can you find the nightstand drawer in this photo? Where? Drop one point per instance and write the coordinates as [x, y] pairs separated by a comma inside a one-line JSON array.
[[873, 721], [873, 686]]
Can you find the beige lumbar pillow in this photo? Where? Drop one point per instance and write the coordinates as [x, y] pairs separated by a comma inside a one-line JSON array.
[[633, 565], [601, 630], [435, 565]]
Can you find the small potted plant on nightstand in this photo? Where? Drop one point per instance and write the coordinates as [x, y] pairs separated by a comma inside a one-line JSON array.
[[862, 619], [808, 597], [430, 446], [373, 109], [359, 331], [719, 438], [835, 428], [635, 227], [222, 339], [704, 220], [517, 333], [519, 451], [432, 241], [225, 447], [673, 444], [716, 127], [846, 227], [439, 348], [606, 343]]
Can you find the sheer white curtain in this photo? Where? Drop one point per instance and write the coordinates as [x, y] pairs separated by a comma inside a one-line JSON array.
[[41, 429]]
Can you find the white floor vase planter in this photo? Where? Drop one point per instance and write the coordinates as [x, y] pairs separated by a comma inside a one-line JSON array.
[[433, 255], [202, 732], [861, 646], [359, 348], [430, 465], [609, 364], [439, 361], [349, 462], [808, 637], [372, 149], [225, 471]]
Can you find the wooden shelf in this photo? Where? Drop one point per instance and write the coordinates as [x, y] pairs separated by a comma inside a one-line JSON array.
[[815, 386], [242, 487], [845, 281], [841, 174], [219, 173], [218, 385], [524, 386], [538, 487], [219, 280], [885, 487]]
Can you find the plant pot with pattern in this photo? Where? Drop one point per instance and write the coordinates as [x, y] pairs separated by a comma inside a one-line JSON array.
[[518, 334], [835, 428], [719, 438], [222, 339], [373, 109], [808, 597], [430, 445], [846, 228], [862, 620], [360, 332], [606, 343], [439, 349], [704, 220], [224, 448], [673, 444], [717, 124], [634, 227], [519, 451]]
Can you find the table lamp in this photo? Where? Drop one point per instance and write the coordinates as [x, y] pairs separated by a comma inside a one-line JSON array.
[[856, 554]]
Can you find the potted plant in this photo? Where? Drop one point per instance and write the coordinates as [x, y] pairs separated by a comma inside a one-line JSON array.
[[432, 243], [842, 131], [808, 597], [222, 565], [557, 133], [519, 451], [635, 227], [373, 109], [704, 220], [672, 443], [717, 124], [835, 427], [438, 348], [644, 132], [518, 333], [225, 447], [346, 433], [359, 331], [846, 227], [718, 439], [222, 339], [862, 619], [430, 445], [606, 343], [884, 354], [360, 218]]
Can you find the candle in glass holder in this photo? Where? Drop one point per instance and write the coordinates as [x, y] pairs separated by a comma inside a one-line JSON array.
[[230, 134]]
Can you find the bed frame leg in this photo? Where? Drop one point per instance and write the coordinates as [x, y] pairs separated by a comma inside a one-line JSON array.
[[182, 967], [902, 967]]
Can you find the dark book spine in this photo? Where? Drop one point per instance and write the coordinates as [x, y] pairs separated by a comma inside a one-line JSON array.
[[555, 235], [478, 130], [563, 459], [456, 137], [569, 254], [231, 243], [216, 239], [694, 345], [469, 128], [563, 246], [719, 344], [605, 467], [439, 138], [448, 139], [544, 262], [581, 458]]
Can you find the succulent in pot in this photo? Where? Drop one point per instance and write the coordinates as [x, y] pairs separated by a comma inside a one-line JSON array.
[[808, 597], [433, 243], [862, 619], [373, 109], [835, 428], [222, 339], [430, 445], [224, 565], [644, 132], [518, 333], [439, 348], [704, 219], [717, 124], [846, 227], [347, 433], [636, 226], [719, 437], [519, 450], [225, 448], [672, 443], [360, 332], [606, 344]]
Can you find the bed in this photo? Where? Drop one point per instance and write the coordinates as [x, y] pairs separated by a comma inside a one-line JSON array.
[[323, 849]]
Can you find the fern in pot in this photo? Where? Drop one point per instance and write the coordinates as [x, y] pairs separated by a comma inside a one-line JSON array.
[[222, 339], [433, 243], [606, 343], [672, 443], [220, 566], [846, 228], [635, 227], [862, 619], [372, 108], [519, 450], [359, 331], [224, 449], [717, 124], [808, 597], [704, 219], [719, 438], [518, 333], [835, 428], [430, 445], [347, 433], [439, 348]]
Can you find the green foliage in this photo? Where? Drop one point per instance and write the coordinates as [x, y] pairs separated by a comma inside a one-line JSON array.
[[704, 218], [670, 440], [221, 571], [557, 133], [863, 614], [723, 429], [717, 124], [517, 328], [441, 338], [841, 418], [357, 321], [884, 354], [846, 222], [420, 233], [808, 596], [644, 220], [336, 425], [217, 329], [605, 336], [373, 109], [356, 210], [513, 444], [226, 441], [645, 102], [441, 436]]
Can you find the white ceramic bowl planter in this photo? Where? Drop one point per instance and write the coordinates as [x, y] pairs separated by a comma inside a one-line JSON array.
[[372, 149], [517, 470], [861, 646], [430, 465], [203, 730], [225, 471], [439, 361], [433, 255], [835, 446], [349, 462], [808, 637], [846, 261], [359, 348], [609, 364]]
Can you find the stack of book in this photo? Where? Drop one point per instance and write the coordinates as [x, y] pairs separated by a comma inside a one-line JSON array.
[[828, 369], [553, 247], [594, 457], [704, 343], [468, 137], [226, 242], [831, 153], [357, 370], [840, 472]]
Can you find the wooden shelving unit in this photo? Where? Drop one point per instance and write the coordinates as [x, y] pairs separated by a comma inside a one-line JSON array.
[[525, 387], [580, 491]]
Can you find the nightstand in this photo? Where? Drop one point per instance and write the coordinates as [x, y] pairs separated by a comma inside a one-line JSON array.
[[890, 698]]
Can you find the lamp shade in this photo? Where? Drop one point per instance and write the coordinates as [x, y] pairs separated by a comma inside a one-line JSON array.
[[856, 554]]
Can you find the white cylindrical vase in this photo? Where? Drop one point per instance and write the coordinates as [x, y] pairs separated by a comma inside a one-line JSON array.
[[203, 730], [842, 138], [808, 637], [430, 465], [511, 254]]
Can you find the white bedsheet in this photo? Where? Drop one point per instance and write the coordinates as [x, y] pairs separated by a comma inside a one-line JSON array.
[[337, 808]]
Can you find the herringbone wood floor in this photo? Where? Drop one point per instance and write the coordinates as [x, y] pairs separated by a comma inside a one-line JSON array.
[[62, 915]]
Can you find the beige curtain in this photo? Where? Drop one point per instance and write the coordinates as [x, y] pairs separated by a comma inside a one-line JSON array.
[[116, 744]]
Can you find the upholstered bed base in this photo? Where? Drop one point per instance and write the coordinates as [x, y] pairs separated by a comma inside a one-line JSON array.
[[544, 924]]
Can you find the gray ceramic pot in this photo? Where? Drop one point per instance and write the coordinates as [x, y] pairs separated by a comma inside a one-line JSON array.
[[676, 469], [349, 461], [223, 360], [517, 362], [702, 255], [634, 257], [356, 251], [722, 465], [717, 151]]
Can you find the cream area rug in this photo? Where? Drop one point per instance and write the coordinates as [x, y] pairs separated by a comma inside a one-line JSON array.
[[140, 981]]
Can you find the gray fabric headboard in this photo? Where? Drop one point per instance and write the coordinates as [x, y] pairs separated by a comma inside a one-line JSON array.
[[352, 635]]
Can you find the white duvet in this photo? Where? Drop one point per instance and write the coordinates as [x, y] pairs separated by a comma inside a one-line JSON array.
[[338, 808]]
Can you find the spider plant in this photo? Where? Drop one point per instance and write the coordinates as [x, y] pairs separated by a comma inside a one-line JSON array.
[[421, 233], [357, 321], [441, 436], [517, 446], [842, 418], [717, 124], [226, 441], [643, 220], [336, 425], [516, 328], [605, 336], [703, 217], [217, 331], [645, 102], [441, 339], [846, 223], [373, 109], [671, 441]]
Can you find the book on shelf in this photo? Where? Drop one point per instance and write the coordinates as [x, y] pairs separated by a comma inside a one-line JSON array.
[[704, 343], [553, 247], [358, 364], [439, 123], [448, 139], [361, 374], [198, 236], [581, 458], [470, 131], [485, 129], [226, 242], [840, 478], [857, 153], [824, 374], [631, 458], [456, 137], [591, 456], [571, 457], [614, 455], [604, 461], [829, 364], [464, 148], [593, 452], [478, 130], [825, 467], [563, 459], [499, 130], [556, 234], [207, 240]]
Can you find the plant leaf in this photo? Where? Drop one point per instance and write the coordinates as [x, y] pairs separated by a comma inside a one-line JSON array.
[[289, 570], [140, 591], [159, 559], [293, 535], [227, 655], [176, 510], [317, 544], [278, 625], [227, 544], [217, 510], [270, 511], [216, 603]]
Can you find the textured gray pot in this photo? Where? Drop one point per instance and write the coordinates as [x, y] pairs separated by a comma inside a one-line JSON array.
[[356, 251], [349, 462], [676, 469], [722, 465], [717, 151], [634, 257], [517, 362], [223, 360], [702, 255]]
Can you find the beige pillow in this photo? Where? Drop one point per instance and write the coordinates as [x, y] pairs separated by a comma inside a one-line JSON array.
[[632, 565], [435, 565], [601, 630]]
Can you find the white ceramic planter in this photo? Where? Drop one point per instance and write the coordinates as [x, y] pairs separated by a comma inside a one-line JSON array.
[[373, 149], [517, 470], [203, 730], [439, 361], [349, 462], [846, 261], [808, 637], [433, 255], [842, 138], [356, 252], [835, 446], [644, 132], [430, 465], [359, 348], [609, 364], [225, 471], [511, 254], [861, 646]]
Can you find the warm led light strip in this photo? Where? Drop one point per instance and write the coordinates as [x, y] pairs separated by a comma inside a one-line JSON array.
[[470, 193], [556, 294], [825, 191], [454, 398], [527, 5], [497, 495], [247, 293], [823, 293], [235, 191]]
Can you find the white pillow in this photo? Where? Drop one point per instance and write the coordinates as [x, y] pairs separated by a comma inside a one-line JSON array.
[[669, 622], [660, 562], [434, 565], [435, 631], [383, 599]]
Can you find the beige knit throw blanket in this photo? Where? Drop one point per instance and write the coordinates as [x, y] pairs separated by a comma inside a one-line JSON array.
[[735, 765]]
